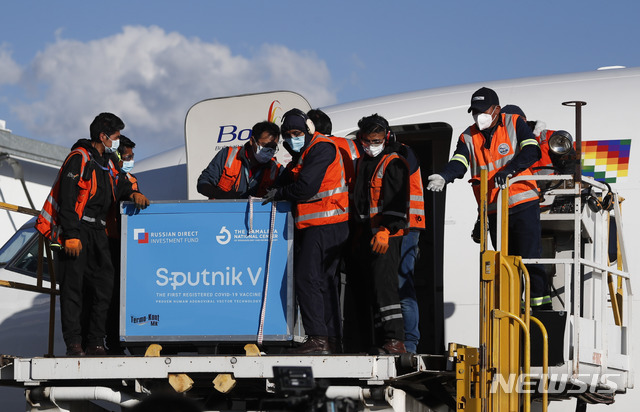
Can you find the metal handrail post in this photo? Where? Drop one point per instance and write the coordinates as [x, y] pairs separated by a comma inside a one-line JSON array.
[[545, 363], [499, 314]]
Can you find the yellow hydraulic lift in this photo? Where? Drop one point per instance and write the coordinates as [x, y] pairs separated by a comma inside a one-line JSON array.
[[504, 329]]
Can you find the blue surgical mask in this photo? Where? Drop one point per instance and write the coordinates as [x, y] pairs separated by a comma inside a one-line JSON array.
[[296, 142], [127, 166], [264, 154]]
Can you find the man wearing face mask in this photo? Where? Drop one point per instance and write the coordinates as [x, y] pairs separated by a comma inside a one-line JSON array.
[[74, 215], [237, 172], [380, 216], [504, 145], [124, 158], [317, 187], [349, 152]]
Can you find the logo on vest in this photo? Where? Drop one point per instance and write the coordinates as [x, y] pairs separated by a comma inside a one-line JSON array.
[[503, 149]]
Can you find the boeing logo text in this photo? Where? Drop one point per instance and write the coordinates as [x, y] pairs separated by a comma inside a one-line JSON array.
[[229, 133]]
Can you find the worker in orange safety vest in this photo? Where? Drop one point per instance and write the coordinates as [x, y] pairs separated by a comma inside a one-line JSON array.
[[74, 216], [237, 172], [504, 145], [316, 185], [125, 161], [380, 206]]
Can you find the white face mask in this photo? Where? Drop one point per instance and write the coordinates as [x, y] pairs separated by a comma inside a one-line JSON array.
[[114, 146], [373, 150], [127, 166], [483, 120], [264, 154]]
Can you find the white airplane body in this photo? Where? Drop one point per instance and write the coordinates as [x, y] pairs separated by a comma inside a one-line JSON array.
[[609, 114]]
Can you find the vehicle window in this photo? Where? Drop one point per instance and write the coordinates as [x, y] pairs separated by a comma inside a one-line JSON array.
[[27, 263], [13, 245]]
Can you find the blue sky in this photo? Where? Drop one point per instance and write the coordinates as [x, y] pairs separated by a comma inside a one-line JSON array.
[[63, 62]]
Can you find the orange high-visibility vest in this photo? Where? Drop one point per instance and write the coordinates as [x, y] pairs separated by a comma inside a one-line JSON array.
[[376, 196], [416, 201], [133, 180], [349, 153], [545, 161], [331, 203], [504, 145], [47, 221], [230, 178]]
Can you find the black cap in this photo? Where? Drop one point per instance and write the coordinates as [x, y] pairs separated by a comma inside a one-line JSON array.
[[294, 119], [482, 99], [513, 109]]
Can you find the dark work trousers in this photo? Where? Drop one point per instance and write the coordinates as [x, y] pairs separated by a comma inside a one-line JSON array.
[[317, 253], [525, 241], [373, 313], [407, 290], [86, 283], [113, 316]]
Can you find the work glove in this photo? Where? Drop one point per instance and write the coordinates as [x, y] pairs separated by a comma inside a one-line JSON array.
[[140, 200], [72, 247], [270, 196], [436, 183], [500, 178], [475, 233], [380, 241]]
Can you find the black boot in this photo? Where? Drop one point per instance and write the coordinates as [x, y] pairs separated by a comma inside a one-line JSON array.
[[75, 349], [393, 347], [335, 344], [314, 345]]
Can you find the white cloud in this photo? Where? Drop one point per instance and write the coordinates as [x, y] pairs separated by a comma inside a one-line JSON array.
[[9, 69], [151, 78]]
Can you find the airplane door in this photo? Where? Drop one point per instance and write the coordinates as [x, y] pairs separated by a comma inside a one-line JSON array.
[[431, 143]]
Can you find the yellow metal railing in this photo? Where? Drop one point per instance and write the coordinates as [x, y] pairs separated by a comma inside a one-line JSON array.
[[504, 323], [43, 247], [514, 340], [545, 363]]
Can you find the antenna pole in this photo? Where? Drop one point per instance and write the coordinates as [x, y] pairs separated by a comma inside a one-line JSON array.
[[577, 174]]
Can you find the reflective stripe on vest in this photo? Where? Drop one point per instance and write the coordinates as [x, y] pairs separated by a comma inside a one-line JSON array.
[[492, 166], [93, 220], [539, 301], [47, 221], [349, 153], [331, 203], [231, 156], [375, 195], [133, 180], [505, 140], [416, 201], [348, 146], [544, 165], [229, 178]]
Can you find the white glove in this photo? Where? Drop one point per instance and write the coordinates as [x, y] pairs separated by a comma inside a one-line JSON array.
[[436, 183]]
